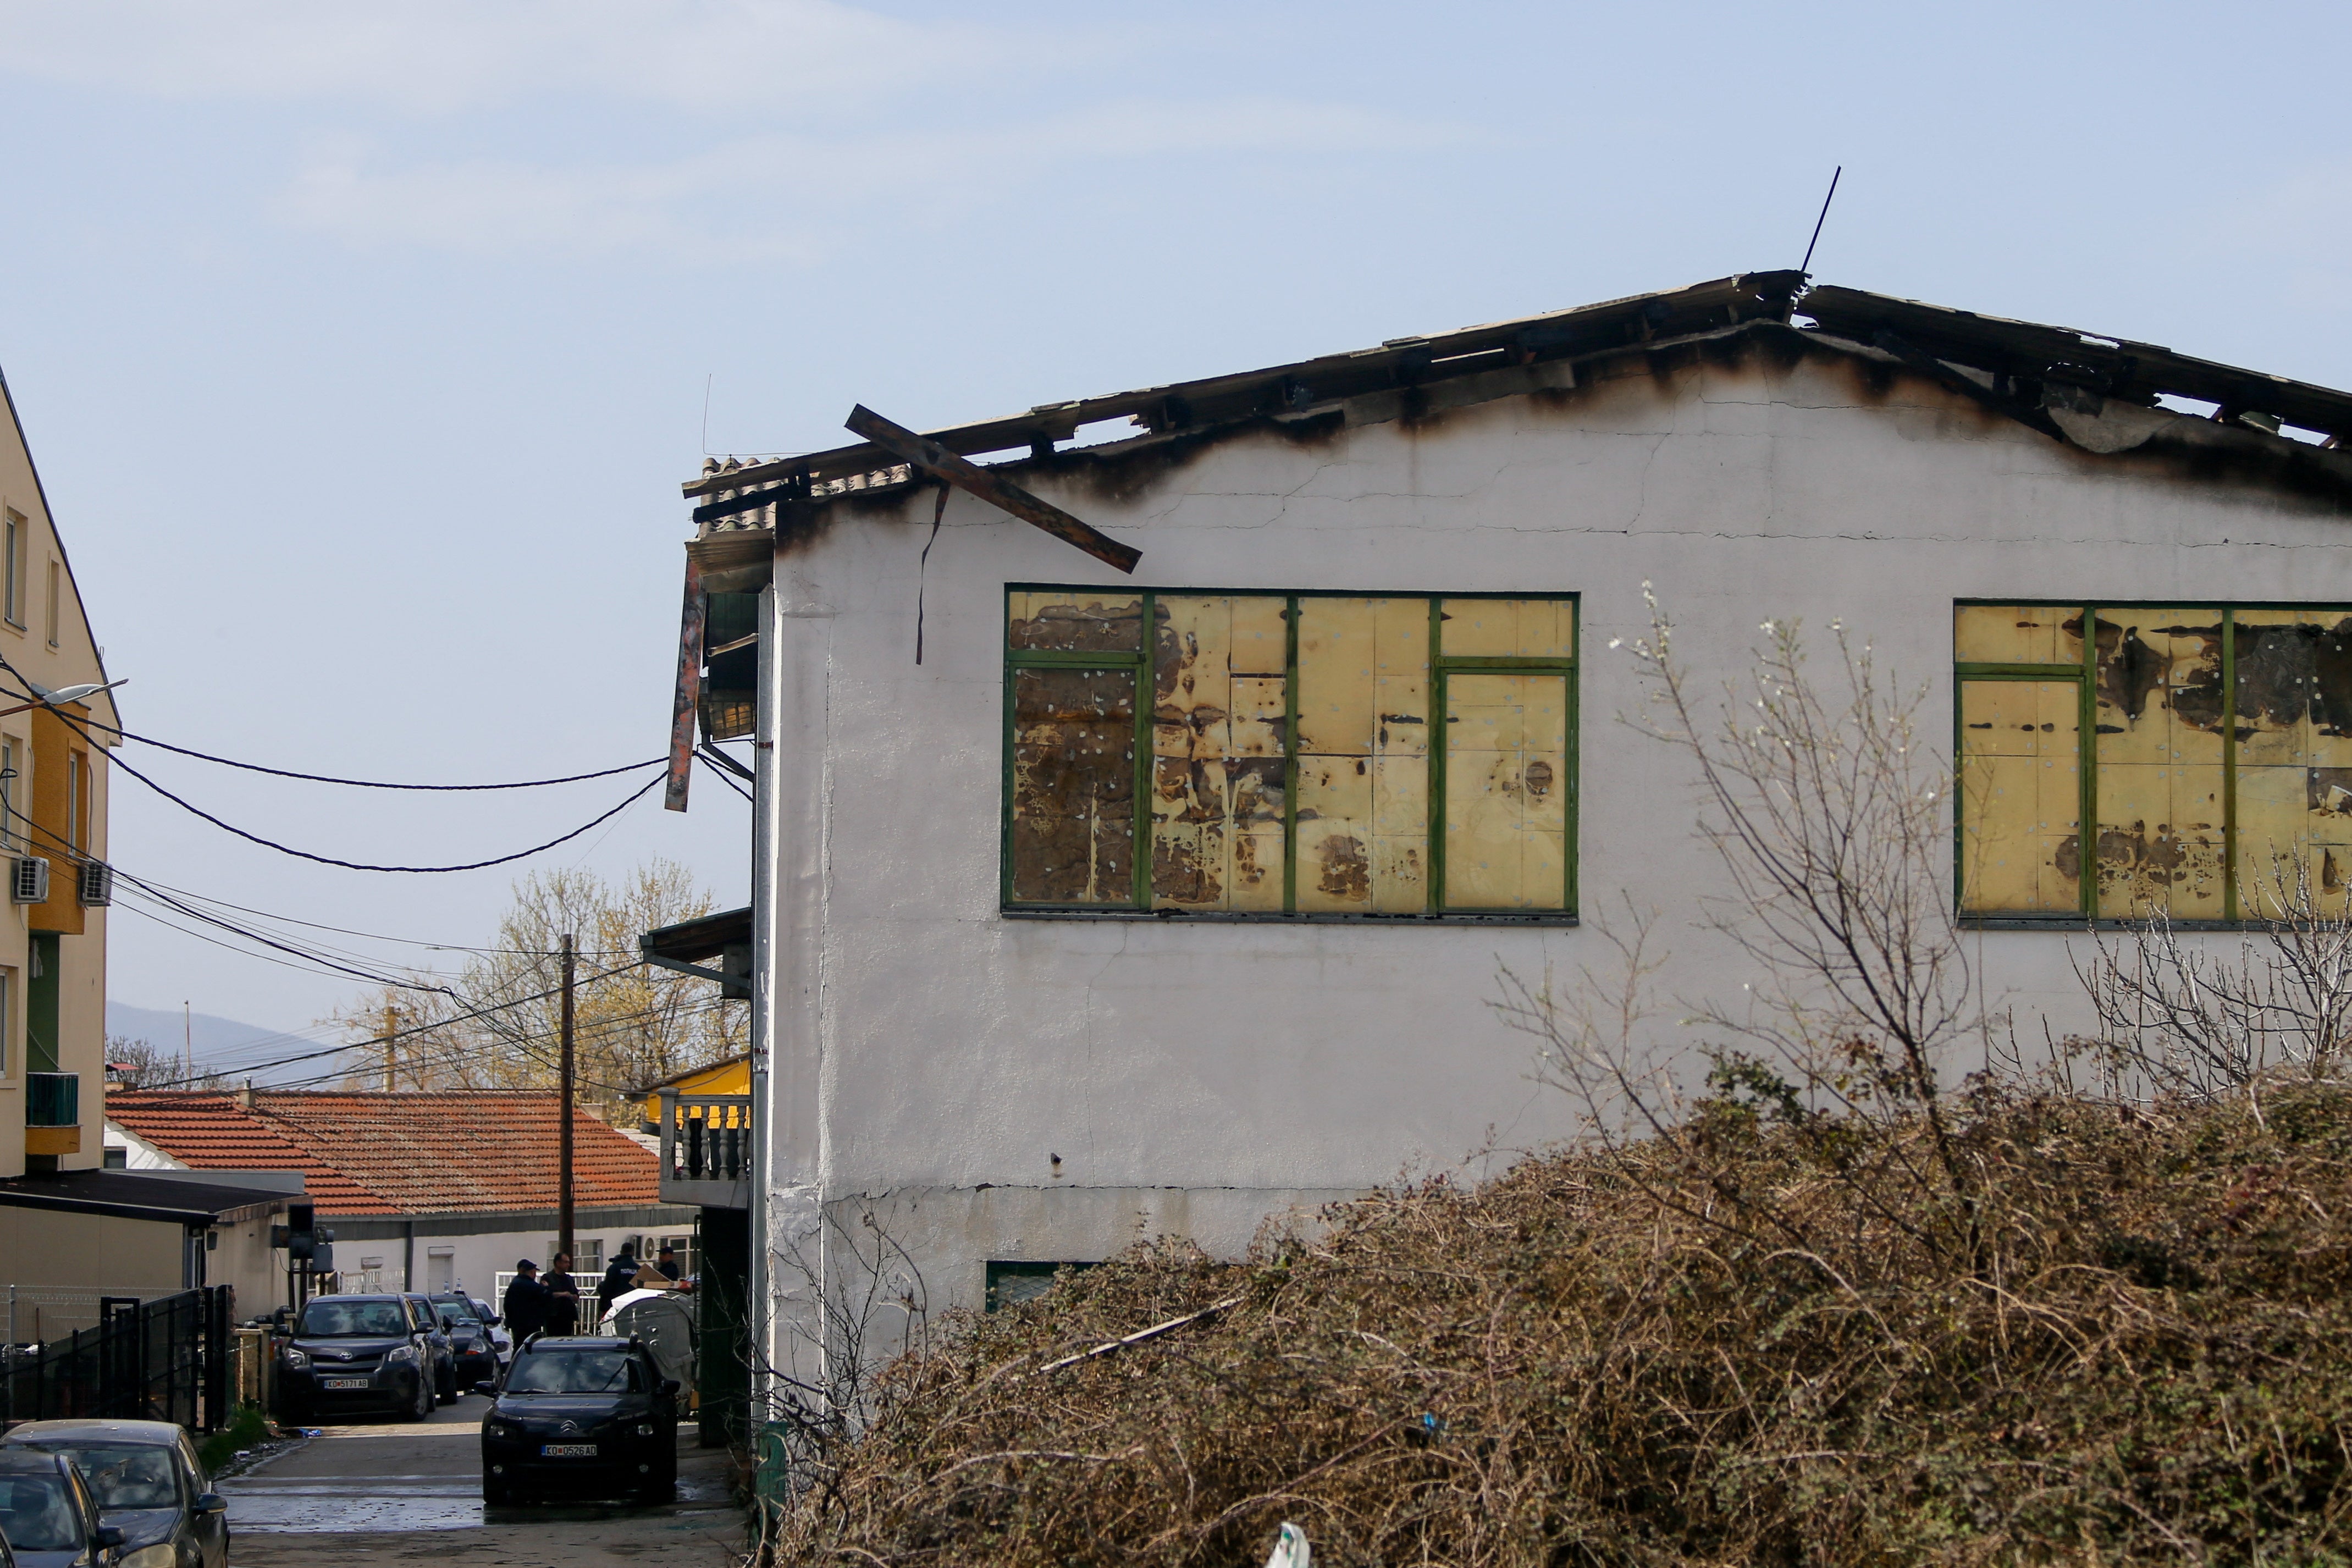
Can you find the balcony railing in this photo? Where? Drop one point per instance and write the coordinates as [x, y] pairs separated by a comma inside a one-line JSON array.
[[706, 1149], [53, 1100]]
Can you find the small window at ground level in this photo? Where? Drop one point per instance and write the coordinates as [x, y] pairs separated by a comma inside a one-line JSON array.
[[1010, 1283], [1266, 754], [2209, 746]]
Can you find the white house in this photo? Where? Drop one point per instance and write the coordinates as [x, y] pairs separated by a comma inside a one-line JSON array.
[[1366, 679]]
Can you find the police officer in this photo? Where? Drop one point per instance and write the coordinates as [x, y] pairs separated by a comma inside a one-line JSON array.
[[563, 1297], [526, 1302]]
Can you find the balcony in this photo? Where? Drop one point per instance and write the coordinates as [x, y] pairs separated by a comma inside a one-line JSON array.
[[706, 1149], [53, 1113]]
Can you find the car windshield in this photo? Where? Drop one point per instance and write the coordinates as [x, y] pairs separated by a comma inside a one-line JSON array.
[[572, 1372], [127, 1474], [455, 1314], [328, 1318], [38, 1514]]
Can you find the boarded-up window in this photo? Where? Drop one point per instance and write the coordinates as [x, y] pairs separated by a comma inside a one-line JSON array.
[[2210, 746], [1285, 745]]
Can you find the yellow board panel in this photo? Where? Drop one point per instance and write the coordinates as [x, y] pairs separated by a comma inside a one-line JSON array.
[[1261, 642], [1261, 715], [1074, 785], [2158, 734], [1506, 790], [1335, 835], [2295, 758], [1337, 676], [2161, 841], [1502, 628], [1191, 672], [1363, 770], [1076, 620], [1216, 833], [2274, 836], [2021, 798], [2012, 633]]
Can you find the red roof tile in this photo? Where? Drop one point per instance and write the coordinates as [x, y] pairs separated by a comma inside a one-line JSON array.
[[486, 1150]]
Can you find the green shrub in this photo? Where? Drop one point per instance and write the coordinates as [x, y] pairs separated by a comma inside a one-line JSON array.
[[249, 1429]]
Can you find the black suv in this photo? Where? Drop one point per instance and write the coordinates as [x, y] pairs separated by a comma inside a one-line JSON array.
[[357, 1352], [582, 1414]]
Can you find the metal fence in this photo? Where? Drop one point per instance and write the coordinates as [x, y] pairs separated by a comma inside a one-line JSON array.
[[168, 1359]]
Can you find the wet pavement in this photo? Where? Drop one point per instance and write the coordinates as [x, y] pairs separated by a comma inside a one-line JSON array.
[[394, 1491]]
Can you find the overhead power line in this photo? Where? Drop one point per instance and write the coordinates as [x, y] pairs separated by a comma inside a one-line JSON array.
[[379, 1040], [80, 728], [330, 778], [633, 797]]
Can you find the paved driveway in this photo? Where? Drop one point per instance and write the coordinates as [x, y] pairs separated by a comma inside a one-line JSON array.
[[362, 1496]]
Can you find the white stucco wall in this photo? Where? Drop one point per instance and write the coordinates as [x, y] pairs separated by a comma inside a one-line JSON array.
[[930, 1055]]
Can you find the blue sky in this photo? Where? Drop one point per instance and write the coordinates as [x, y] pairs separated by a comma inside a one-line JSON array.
[[363, 348]]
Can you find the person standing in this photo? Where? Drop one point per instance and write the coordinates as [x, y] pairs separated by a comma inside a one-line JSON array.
[[620, 1278], [525, 1307], [666, 1261], [563, 1297]]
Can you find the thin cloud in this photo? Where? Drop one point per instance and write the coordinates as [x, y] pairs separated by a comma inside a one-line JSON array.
[[438, 56], [804, 189]]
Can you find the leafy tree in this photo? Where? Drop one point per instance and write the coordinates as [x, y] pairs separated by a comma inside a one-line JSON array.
[[496, 1025]]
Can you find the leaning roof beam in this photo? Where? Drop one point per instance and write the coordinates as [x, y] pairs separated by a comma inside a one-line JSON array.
[[996, 491]]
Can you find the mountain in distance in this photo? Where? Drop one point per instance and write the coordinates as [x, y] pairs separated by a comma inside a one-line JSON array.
[[221, 1045]]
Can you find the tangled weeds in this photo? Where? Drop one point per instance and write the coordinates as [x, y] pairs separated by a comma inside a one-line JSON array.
[[1766, 1340]]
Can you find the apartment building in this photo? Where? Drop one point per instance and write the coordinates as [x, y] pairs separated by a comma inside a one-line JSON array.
[[53, 838]]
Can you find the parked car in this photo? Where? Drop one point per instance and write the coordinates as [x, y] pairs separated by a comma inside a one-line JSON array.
[[49, 1519], [437, 1338], [356, 1353], [476, 1353], [498, 1332], [582, 1414], [148, 1483]]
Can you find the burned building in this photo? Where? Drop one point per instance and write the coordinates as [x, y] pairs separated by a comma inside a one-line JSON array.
[[1151, 788]]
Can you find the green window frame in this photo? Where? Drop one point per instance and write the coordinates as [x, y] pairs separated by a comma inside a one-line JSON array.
[[1352, 841], [2206, 739], [1011, 1283]]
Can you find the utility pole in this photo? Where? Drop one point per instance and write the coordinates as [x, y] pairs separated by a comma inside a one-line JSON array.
[[391, 1055], [564, 1130]]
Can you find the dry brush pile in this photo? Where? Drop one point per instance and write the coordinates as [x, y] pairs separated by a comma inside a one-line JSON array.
[[2121, 1334]]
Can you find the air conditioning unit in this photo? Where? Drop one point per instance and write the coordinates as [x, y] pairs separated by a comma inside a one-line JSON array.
[[28, 880], [96, 888]]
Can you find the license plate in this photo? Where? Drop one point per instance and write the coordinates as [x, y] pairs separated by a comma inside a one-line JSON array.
[[344, 1383], [567, 1451]]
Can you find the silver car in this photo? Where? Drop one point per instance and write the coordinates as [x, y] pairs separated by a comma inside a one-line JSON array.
[[147, 1482], [49, 1519]]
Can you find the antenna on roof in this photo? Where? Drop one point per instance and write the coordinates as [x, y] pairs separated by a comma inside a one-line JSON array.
[[1807, 265]]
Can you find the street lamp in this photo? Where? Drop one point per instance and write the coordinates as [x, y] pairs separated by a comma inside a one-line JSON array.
[[45, 698]]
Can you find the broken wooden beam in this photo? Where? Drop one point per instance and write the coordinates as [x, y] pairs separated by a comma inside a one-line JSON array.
[[1140, 1335], [685, 706], [997, 491]]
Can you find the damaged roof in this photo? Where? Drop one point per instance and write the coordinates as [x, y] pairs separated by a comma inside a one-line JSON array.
[[2050, 378]]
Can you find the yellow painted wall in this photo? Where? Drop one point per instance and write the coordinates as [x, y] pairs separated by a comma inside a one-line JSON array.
[[726, 1077], [55, 651]]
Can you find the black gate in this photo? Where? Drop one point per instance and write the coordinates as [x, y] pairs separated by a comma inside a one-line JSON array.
[[164, 1360]]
